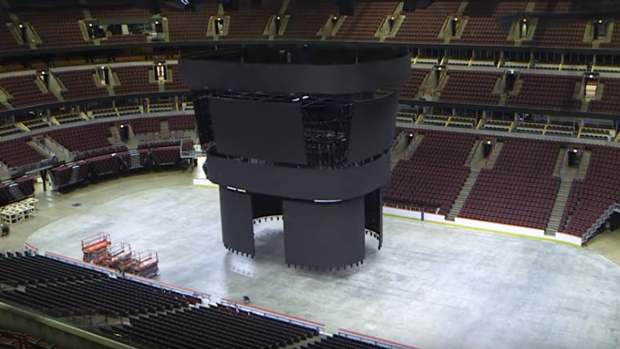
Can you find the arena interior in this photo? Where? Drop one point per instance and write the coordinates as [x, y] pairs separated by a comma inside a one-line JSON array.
[[499, 221]]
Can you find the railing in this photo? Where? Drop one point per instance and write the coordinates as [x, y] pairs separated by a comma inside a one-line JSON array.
[[593, 231], [150, 282], [95, 152], [43, 164], [275, 315]]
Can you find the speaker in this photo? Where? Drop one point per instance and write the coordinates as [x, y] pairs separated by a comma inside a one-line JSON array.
[[572, 157], [124, 132], [488, 146]]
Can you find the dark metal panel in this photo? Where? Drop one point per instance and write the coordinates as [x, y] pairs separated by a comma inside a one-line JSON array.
[[300, 183], [324, 235], [266, 205], [373, 214], [267, 131], [237, 225], [374, 125], [286, 78]]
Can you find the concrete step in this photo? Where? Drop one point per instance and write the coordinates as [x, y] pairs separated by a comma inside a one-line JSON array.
[[463, 194], [558, 206]]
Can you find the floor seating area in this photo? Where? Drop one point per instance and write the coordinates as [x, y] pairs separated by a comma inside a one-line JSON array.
[[610, 101], [366, 20], [591, 197], [546, 92], [212, 327], [12, 191], [249, 22], [431, 179], [470, 87], [520, 189]]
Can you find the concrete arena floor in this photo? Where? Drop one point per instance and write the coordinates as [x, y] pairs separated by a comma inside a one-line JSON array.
[[431, 286]]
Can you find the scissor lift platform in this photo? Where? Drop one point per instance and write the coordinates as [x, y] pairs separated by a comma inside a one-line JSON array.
[[145, 264], [95, 248]]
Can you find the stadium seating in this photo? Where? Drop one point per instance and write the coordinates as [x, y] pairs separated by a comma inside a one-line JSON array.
[[424, 25], [485, 21], [23, 269], [340, 342], [120, 9], [81, 138], [181, 122], [80, 84], [249, 22], [591, 197], [212, 327], [558, 32], [610, 101], [15, 339], [57, 26], [546, 92], [146, 125], [431, 179], [185, 25], [134, 80], [412, 86], [366, 20], [520, 189], [16, 153], [470, 87], [177, 83], [25, 92], [306, 21]]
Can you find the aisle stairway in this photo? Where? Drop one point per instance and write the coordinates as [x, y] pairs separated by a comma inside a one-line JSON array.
[[560, 203], [463, 194]]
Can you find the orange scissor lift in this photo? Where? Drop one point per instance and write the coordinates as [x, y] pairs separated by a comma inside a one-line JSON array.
[[145, 264], [119, 256], [98, 249], [95, 248]]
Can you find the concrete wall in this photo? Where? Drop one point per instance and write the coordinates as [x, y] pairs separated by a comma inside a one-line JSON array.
[[53, 331]]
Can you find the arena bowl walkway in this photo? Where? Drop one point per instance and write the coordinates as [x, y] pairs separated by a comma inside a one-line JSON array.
[[430, 286]]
